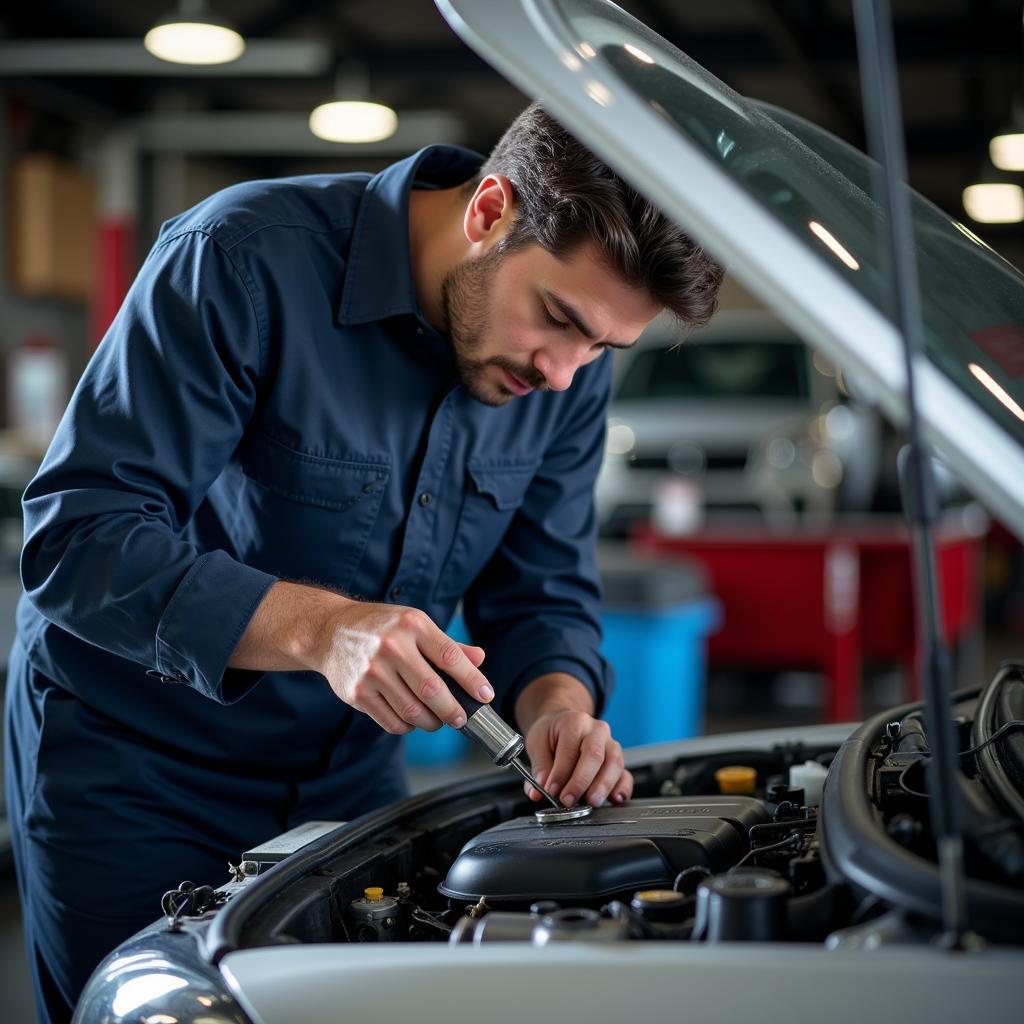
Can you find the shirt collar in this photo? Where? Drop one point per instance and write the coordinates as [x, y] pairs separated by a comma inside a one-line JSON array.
[[378, 276]]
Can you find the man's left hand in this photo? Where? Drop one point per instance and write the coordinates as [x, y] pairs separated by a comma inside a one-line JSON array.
[[573, 755]]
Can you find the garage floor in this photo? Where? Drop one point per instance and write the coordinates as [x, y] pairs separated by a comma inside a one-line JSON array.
[[733, 703]]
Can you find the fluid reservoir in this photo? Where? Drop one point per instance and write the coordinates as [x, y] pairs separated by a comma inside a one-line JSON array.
[[374, 917], [810, 777], [746, 905]]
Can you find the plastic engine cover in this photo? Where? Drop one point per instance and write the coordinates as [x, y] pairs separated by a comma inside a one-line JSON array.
[[615, 850]]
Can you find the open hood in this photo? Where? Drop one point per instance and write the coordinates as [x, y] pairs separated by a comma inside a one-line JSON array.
[[788, 208]]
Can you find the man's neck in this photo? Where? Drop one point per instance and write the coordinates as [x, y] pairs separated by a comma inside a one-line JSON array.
[[436, 244]]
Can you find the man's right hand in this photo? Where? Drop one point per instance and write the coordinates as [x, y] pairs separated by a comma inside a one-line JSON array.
[[381, 659]]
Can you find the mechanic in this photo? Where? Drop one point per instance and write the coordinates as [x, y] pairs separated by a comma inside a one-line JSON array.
[[330, 408]]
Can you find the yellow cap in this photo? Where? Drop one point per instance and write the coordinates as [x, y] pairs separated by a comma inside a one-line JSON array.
[[657, 896], [375, 892], [736, 778]]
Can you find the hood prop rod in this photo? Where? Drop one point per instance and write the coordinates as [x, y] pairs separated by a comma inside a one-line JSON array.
[[884, 128]]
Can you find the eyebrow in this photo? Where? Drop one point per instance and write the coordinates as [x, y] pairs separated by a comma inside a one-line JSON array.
[[578, 322]]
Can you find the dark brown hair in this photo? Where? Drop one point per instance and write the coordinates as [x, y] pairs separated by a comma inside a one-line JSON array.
[[566, 196]]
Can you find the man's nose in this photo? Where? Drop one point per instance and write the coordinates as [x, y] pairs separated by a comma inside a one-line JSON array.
[[559, 368]]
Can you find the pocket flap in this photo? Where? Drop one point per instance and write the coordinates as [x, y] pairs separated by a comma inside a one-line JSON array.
[[504, 482], [311, 479]]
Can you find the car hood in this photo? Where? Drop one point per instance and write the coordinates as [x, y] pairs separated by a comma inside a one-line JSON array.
[[788, 208]]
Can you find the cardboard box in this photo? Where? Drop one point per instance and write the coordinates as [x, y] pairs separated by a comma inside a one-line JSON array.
[[53, 228]]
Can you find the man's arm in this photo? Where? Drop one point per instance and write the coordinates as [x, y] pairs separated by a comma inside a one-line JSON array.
[[379, 658], [156, 416]]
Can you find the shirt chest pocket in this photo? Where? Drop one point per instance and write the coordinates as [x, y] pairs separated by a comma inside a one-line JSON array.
[[494, 489], [313, 515]]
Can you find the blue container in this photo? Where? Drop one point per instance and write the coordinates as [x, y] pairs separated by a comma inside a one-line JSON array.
[[446, 746], [660, 661]]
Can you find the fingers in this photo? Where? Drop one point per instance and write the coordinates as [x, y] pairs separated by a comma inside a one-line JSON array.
[[385, 662], [383, 714], [570, 735], [475, 654], [401, 652], [401, 697], [587, 762], [450, 656], [538, 749], [592, 754]]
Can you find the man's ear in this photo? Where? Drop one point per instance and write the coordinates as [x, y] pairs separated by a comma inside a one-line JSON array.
[[491, 210]]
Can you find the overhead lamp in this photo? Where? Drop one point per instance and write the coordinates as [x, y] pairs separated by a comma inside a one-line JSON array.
[[353, 117], [994, 202], [193, 35], [1007, 151]]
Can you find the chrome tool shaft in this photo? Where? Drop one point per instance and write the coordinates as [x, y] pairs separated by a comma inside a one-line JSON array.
[[525, 772]]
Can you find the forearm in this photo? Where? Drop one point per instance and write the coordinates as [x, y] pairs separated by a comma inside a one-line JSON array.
[[285, 634], [557, 691]]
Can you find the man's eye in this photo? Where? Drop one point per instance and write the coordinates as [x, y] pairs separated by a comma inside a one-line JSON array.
[[561, 324]]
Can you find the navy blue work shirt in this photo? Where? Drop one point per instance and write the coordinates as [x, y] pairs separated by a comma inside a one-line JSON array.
[[269, 402]]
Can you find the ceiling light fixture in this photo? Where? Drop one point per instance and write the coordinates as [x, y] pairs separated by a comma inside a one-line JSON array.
[[994, 203], [1007, 151], [355, 118], [192, 35]]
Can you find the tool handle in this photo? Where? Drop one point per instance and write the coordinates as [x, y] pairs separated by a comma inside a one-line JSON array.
[[486, 726], [468, 704]]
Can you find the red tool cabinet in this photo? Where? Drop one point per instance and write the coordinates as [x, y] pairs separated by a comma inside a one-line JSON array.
[[829, 599]]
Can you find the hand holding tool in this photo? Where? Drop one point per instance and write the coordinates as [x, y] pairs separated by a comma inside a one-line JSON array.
[[503, 744]]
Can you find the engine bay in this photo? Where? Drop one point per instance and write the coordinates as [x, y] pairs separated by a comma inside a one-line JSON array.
[[794, 841]]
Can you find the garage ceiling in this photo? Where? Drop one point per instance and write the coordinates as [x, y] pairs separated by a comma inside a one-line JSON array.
[[960, 60]]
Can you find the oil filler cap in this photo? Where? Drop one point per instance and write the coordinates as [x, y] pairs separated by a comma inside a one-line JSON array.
[[553, 815], [373, 893], [736, 778]]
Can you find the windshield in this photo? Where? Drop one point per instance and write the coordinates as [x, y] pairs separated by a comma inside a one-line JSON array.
[[819, 188], [745, 370]]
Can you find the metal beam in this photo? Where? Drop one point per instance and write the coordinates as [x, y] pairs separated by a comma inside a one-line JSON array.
[[263, 58], [283, 134], [933, 40]]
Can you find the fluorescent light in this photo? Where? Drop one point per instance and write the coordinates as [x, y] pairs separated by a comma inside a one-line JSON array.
[[830, 240], [353, 121], [193, 36], [1007, 151], [993, 203]]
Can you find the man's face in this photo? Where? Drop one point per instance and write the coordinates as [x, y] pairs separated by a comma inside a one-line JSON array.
[[525, 321]]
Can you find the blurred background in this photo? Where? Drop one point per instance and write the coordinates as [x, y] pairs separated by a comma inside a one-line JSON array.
[[755, 564]]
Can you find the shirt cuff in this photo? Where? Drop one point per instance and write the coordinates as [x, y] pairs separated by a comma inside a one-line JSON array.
[[203, 622], [596, 678]]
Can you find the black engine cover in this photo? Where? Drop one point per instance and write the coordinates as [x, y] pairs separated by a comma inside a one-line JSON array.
[[614, 851]]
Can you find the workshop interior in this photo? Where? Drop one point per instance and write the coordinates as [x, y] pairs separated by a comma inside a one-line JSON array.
[[809, 513]]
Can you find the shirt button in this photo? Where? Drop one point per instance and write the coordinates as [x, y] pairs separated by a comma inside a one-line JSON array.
[[396, 593], [419, 330], [426, 498]]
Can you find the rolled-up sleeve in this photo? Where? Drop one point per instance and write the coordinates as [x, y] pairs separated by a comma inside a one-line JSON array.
[[154, 420], [535, 608]]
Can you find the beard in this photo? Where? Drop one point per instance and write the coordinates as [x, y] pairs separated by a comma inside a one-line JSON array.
[[465, 299]]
